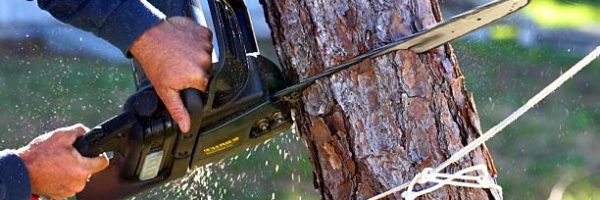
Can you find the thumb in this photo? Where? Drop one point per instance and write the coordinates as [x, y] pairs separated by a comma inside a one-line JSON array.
[[176, 108], [97, 164]]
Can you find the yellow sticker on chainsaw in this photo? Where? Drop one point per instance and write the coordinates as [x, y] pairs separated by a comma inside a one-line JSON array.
[[221, 146]]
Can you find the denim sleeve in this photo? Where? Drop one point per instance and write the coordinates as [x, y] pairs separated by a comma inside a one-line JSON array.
[[120, 22], [14, 179]]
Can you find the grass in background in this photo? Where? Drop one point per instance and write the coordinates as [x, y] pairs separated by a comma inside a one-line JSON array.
[[39, 94], [558, 136]]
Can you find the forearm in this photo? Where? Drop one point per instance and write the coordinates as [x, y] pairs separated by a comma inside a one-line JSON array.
[[120, 22], [14, 179]]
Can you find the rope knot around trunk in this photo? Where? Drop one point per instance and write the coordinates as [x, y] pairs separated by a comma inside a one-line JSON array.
[[475, 177]]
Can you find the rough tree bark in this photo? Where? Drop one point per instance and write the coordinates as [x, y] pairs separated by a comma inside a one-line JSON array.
[[376, 125]]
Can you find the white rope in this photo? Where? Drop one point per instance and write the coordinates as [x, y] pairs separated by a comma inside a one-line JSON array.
[[460, 178], [450, 179]]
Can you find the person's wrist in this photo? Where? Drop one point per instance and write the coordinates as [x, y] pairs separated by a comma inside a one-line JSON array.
[[119, 28], [24, 154], [146, 39], [26, 157]]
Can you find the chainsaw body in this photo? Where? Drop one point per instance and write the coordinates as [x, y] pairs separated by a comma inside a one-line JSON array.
[[146, 145]]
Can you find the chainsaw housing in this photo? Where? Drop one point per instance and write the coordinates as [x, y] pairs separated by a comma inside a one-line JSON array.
[[236, 113]]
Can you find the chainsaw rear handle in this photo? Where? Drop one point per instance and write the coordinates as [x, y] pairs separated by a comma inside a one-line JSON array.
[[87, 144], [108, 136], [112, 134]]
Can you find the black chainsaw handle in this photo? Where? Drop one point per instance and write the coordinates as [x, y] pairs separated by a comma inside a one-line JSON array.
[[107, 136], [87, 145], [111, 134], [192, 99]]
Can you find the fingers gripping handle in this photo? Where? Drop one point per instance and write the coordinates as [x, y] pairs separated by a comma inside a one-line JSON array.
[[89, 145], [192, 98]]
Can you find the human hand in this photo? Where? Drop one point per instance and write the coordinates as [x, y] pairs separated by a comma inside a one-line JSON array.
[[175, 55], [56, 169]]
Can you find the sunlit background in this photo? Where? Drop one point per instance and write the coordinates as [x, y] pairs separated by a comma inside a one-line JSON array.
[[52, 75]]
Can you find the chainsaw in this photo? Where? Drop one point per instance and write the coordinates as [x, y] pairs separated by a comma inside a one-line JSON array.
[[246, 102]]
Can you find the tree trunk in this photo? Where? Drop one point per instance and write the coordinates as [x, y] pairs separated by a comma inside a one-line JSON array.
[[376, 125]]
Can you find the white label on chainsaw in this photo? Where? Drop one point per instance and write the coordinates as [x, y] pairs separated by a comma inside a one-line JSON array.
[[151, 165], [203, 16]]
